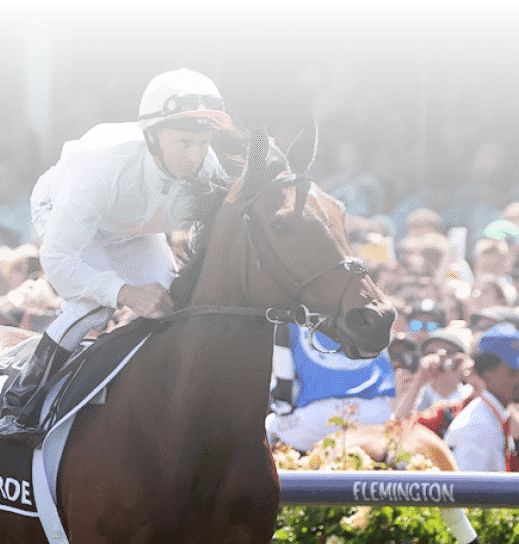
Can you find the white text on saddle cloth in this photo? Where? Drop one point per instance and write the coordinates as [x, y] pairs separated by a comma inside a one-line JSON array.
[[15, 491]]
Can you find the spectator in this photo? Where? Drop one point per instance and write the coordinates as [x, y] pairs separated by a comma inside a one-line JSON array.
[[511, 213], [502, 230], [446, 348], [496, 257], [484, 319], [438, 377], [487, 291], [404, 357], [17, 265], [492, 257], [425, 255], [424, 221], [424, 318], [310, 386], [479, 436]]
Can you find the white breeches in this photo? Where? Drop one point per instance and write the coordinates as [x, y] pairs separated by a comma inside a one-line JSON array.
[[139, 261]]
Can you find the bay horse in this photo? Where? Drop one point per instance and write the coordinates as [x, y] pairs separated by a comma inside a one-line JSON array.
[[178, 452]]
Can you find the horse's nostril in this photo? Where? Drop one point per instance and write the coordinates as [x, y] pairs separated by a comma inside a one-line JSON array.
[[361, 318]]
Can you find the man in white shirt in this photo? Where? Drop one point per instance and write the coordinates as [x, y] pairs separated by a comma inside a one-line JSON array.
[[103, 211], [477, 436]]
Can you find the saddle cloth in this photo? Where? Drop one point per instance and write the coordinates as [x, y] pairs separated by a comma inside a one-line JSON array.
[[28, 477]]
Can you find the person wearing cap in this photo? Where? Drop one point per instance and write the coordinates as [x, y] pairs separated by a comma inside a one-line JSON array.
[[104, 212], [443, 363], [480, 436], [311, 383], [446, 350], [482, 320]]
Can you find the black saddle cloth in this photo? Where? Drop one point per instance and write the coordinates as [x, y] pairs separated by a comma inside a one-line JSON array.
[[93, 365]]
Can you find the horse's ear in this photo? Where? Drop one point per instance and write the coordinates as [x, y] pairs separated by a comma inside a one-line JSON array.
[[301, 152], [257, 159]]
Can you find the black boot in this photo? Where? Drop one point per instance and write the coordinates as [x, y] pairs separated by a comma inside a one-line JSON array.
[[48, 358]]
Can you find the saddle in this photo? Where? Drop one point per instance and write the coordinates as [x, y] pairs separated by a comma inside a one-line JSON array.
[[86, 378], [89, 365]]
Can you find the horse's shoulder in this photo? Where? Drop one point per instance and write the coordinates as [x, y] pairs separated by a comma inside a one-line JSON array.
[[12, 336]]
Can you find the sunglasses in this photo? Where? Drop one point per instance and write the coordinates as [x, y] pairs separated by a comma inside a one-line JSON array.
[[417, 325], [188, 102]]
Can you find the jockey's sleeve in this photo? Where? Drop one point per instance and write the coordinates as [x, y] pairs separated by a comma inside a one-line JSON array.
[[72, 224]]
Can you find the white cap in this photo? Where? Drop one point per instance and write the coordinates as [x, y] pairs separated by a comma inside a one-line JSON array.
[[182, 94]]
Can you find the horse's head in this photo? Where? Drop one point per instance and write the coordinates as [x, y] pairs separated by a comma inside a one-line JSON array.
[[286, 238]]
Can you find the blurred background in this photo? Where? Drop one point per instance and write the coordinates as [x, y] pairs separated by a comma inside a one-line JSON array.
[[393, 86]]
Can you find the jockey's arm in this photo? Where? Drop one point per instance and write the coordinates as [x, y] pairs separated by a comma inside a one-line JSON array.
[[72, 224]]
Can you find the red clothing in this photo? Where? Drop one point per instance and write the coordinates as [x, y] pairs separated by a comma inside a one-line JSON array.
[[440, 415], [512, 461]]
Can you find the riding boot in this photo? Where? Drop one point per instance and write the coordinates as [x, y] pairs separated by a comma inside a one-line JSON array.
[[48, 358]]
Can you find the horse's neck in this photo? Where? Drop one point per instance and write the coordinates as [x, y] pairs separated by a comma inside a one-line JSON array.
[[224, 274], [207, 365]]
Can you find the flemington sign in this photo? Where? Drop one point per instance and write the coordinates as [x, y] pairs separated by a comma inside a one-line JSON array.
[[405, 488], [400, 492]]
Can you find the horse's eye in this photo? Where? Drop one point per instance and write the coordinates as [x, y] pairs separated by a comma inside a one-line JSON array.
[[280, 227]]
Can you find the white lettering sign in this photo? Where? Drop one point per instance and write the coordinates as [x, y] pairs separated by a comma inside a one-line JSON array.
[[376, 491]]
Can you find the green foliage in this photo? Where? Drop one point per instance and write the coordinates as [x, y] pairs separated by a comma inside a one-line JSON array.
[[388, 525], [351, 524]]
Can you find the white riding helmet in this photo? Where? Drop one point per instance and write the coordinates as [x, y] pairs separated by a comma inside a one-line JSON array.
[[183, 95]]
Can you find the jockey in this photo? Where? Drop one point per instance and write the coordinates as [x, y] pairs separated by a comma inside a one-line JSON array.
[[104, 210]]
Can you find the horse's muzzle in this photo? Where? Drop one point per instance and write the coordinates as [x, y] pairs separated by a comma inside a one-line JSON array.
[[364, 332]]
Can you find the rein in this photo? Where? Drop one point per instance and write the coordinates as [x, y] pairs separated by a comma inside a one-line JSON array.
[[280, 272], [272, 315]]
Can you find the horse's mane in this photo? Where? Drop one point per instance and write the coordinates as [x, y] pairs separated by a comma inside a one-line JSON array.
[[196, 240]]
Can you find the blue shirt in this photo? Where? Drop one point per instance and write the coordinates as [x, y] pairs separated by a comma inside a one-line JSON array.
[[325, 375]]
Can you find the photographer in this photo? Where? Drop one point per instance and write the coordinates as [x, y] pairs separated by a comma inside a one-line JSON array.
[[442, 366]]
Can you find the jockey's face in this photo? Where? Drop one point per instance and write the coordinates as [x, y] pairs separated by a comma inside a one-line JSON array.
[[183, 151]]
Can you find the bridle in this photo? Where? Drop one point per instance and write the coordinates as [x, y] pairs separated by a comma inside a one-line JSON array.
[[267, 256], [299, 314]]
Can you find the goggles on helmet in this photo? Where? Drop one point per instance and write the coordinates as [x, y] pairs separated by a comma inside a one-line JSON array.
[[190, 102]]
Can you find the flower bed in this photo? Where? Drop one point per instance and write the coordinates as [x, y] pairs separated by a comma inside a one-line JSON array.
[[376, 525]]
